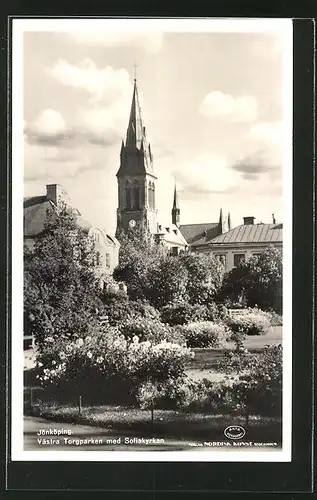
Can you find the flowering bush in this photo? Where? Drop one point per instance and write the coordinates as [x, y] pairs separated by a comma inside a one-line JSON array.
[[150, 329], [254, 381], [92, 362], [206, 334], [275, 319], [186, 393], [253, 322]]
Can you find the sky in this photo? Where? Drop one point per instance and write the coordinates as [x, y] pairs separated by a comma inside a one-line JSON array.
[[212, 104]]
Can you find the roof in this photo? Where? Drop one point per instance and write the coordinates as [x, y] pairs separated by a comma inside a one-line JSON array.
[[172, 234], [35, 212], [199, 234], [252, 233], [34, 215]]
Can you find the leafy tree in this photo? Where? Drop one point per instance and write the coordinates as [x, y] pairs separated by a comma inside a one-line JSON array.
[[167, 282], [60, 287], [259, 281], [138, 253], [205, 276]]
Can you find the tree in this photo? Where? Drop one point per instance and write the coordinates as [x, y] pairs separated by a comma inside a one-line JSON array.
[[138, 253], [167, 281], [60, 287], [259, 281], [205, 276]]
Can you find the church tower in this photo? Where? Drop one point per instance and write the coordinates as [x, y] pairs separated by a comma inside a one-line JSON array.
[[175, 210], [136, 178]]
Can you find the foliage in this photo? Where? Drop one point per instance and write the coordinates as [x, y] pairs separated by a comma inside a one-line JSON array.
[[252, 322], [138, 254], [118, 308], [206, 334], [96, 360], [152, 274], [256, 385], [168, 281], [151, 330], [60, 287], [205, 274], [253, 386], [275, 319], [181, 313], [183, 393], [258, 280]]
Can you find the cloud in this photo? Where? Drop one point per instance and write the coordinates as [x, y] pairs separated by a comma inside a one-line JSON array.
[[99, 121], [106, 83], [150, 42], [261, 152], [270, 133], [206, 174], [223, 106], [251, 167]]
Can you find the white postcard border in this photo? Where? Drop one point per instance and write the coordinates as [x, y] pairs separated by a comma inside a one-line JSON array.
[[17, 362]]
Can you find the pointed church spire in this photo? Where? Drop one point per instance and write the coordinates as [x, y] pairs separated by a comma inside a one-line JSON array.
[[229, 222], [136, 156], [175, 200], [175, 209], [221, 223], [132, 126], [220, 218]]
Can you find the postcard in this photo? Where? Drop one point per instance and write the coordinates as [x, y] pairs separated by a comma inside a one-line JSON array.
[[152, 239]]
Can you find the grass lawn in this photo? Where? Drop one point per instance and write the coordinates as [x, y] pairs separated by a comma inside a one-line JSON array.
[[204, 364], [179, 425]]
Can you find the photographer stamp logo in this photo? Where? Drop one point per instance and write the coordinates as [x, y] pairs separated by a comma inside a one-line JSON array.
[[234, 432]]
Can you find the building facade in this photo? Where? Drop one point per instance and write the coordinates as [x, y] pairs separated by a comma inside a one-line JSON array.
[[244, 241], [35, 213]]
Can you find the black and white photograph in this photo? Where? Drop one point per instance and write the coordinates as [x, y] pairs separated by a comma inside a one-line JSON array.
[[152, 230]]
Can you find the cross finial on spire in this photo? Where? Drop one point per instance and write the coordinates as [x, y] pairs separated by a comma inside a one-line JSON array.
[[135, 66]]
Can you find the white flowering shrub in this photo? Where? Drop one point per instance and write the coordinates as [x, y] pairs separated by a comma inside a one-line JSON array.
[[206, 334], [152, 330], [93, 362], [254, 322]]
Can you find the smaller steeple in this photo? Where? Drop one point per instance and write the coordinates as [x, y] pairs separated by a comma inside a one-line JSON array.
[[175, 209], [221, 223], [229, 222]]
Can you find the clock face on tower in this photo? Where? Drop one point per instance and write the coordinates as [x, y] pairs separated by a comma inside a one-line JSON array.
[[132, 223]]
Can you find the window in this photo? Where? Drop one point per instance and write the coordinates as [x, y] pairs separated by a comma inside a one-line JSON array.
[[222, 259], [128, 197], [107, 259], [237, 258], [174, 251], [136, 196], [98, 260]]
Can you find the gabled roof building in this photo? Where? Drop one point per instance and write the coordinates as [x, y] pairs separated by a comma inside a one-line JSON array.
[[35, 211]]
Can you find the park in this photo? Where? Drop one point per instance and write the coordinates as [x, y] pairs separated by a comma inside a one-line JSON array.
[[180, 352]]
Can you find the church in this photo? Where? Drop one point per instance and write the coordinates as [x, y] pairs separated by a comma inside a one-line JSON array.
[[137, 180], [136, 192]]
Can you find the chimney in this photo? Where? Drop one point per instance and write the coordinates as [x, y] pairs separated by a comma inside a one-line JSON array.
[[57, 194], [248, 221]]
